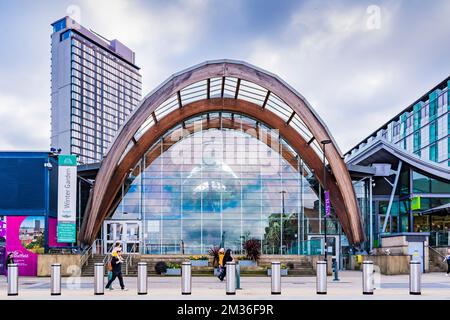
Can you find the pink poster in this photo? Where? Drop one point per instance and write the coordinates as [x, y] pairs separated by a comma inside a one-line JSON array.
[[25, 239]]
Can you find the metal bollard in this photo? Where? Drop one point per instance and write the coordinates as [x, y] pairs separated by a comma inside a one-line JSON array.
[[142, 278], [231, 277], [99, 279], [415, 273], [276, 278], [55, 288], [186, 278], [321, 277], [367, 277], [13, 279], [238, 276]]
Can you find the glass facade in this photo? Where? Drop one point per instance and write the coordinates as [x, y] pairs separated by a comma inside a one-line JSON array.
[[423, 129], [220, 179]]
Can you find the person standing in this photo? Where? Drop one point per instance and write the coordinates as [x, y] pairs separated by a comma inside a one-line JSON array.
[[116, 264], [447, 258], [9, 259], [221, 254], [226, 258]]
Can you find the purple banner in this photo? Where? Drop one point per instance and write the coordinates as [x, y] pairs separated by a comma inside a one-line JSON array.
[[2, 260], [327, 204], [2, 229]]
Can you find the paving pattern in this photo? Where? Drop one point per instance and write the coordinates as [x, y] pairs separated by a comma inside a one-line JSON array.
[[349, 287]]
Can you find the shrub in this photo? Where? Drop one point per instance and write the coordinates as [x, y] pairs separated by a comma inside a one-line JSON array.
[[253, 249], [161, 267]]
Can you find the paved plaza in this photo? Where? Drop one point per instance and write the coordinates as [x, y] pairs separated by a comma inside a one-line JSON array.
[[434, 286]]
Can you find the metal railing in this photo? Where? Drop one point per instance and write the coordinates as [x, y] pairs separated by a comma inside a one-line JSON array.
[[436, 251], [87, 253], [440, 238], [129, 258]]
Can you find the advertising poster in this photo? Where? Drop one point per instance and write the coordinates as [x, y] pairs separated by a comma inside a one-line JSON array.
[[67, 198], [25, 239]]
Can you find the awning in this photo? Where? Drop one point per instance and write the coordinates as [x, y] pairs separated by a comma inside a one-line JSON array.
[[439, 211]]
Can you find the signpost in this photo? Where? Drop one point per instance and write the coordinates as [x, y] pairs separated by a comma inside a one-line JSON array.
[[67, 198]]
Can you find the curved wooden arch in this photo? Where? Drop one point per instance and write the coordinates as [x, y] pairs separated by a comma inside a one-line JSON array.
[[114, 169]]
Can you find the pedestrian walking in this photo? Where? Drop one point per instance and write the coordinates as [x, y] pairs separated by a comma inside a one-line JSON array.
[[226, 258], [116, 266], [447, 258]]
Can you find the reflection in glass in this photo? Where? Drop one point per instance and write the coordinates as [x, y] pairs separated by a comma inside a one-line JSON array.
[[219, 185]]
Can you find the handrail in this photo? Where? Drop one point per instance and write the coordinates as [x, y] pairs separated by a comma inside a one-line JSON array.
[[434, 250], [85, 254], [129, 258]]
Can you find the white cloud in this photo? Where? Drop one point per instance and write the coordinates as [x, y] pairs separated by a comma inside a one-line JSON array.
[[351, 75], [25, 123], [159, 36]]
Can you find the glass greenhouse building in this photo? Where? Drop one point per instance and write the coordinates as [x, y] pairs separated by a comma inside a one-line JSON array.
[[218, 184]]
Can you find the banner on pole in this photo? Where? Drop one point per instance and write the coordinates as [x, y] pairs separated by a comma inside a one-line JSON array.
[[67, 198], [327, 204]]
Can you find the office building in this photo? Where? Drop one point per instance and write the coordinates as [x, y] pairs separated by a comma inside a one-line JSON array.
[[95, 85]]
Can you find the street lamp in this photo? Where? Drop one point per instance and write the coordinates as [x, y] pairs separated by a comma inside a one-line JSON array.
[[324, 143], [283, 192]]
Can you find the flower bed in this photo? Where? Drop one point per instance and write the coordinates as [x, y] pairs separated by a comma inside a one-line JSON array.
[[173, 269], [247, 263], [199, 261], [173, 272]]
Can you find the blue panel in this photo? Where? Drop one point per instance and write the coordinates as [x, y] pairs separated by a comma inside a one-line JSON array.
[[22, 184]]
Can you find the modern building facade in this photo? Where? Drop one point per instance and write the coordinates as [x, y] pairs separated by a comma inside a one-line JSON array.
[[95, 85], [410, 186], [422, 129], [221, 153]]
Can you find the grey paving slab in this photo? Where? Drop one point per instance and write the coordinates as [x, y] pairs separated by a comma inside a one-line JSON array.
[[434, 286]]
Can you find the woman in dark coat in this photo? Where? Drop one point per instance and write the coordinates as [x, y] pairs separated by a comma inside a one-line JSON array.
[[9, 259], [226, 258]]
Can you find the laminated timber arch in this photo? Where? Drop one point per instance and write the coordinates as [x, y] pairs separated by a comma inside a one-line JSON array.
[[232, 86]]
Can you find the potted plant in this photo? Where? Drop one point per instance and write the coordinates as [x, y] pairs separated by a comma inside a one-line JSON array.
[[173, 269], [199, 260], [283, 270], [252, 249]]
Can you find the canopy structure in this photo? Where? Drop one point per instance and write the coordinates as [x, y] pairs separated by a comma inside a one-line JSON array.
[[231, 86], [438, 211]]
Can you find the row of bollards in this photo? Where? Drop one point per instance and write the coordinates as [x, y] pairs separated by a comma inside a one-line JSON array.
[[232, 284]]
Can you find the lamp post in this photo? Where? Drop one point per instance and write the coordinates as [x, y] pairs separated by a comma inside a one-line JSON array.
[[281, 220], [324, 143]]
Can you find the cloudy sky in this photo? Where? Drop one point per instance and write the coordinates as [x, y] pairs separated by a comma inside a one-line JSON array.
[[357, 62]]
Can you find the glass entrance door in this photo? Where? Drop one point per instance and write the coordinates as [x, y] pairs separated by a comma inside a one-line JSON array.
[[316, 246], [128, 233]]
